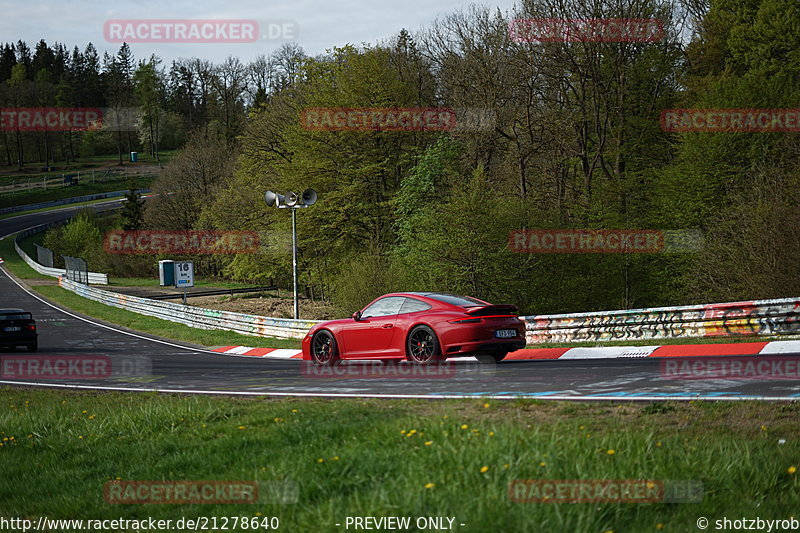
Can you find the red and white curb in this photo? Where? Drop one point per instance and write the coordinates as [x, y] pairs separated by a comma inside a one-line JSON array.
[[272, 353], [601, 352]]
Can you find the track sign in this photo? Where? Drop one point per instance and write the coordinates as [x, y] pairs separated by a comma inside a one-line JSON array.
[[184, 274]]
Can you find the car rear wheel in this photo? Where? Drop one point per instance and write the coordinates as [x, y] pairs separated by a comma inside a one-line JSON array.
[[422, 346], [494, 357], [324, 350]]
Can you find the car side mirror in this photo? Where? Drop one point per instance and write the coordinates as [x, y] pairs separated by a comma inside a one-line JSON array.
[[357, 316]]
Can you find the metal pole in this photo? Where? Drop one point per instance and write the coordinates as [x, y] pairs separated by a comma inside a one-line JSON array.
[[294, 261]]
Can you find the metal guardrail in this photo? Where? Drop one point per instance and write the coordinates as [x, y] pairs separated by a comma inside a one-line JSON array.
[[755, 318], [196, 317], [67, 201], [97, 278]]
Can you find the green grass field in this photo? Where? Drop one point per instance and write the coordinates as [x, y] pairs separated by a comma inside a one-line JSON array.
[[396, 458]]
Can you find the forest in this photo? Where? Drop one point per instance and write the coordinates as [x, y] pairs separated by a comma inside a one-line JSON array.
[[575, 140]]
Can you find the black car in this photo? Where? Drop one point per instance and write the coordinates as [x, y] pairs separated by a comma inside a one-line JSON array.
[[18, 328]]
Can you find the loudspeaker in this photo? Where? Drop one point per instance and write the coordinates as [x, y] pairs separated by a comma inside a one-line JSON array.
[[291, 198], [309, 197], [270, 198]]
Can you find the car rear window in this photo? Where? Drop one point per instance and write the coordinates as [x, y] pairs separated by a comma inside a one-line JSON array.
[[16, 316], [454, 299]]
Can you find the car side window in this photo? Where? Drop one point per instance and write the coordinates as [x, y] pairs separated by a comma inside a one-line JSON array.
[[412, 305], [384, 307]]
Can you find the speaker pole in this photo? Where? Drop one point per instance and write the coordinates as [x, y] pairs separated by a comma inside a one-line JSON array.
[[294, 262]]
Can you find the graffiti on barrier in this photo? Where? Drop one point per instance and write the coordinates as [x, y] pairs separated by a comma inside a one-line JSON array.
[[767, 317]]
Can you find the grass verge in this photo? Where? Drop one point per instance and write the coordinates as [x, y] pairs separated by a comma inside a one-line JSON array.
[[156, 326], [60, 193], [14, 263], [396, 458]]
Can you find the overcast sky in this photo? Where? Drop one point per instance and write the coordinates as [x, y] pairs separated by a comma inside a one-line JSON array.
[[320, 24]]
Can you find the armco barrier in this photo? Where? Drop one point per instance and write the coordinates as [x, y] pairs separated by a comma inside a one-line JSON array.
[[755, 318], [196, 317], [68, 201], [97, 278]]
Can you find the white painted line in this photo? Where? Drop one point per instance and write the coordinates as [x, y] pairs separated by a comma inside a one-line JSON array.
[[654, 397]]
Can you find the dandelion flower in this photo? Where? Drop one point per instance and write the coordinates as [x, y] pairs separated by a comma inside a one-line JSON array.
[[429, 485], [464, 426], [792, 469], [428, 443], [611, 452], [484, 469]]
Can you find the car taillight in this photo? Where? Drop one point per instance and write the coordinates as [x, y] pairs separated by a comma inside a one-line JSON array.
[[466, 321], [31, 327]]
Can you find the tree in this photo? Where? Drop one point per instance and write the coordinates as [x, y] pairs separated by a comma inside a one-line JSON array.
[[132, 213]]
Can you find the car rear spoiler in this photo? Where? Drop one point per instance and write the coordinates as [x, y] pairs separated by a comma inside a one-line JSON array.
[[494, 310]]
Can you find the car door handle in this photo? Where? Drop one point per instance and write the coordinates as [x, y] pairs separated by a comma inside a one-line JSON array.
[[387, 326]]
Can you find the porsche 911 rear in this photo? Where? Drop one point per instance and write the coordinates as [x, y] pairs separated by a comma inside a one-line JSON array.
[[493, 329]]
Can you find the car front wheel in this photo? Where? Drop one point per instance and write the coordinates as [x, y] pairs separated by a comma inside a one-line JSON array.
[[324, 349]]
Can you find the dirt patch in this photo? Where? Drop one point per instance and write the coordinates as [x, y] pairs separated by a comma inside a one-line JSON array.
[[40, 282], [265, 303]]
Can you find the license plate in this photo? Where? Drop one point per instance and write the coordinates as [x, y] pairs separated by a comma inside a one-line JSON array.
[[505, 333], [12, 328]]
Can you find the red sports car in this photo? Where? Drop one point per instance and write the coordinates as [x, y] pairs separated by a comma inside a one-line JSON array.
[[422, 327]]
